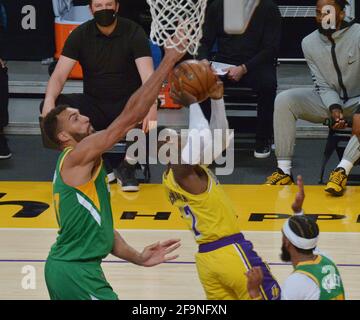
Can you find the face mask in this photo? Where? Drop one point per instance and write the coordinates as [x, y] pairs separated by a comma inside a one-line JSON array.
[[325, 32], [105, 17]]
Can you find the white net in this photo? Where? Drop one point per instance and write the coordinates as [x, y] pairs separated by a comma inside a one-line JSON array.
[[177, 23]]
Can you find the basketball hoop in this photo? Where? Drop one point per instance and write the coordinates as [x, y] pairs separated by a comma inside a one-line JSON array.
[[180, 18]]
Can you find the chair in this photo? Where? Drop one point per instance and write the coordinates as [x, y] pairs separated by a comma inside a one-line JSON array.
[[241, 104]]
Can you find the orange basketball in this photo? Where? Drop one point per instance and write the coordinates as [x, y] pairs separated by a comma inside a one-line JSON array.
[[197, 78]]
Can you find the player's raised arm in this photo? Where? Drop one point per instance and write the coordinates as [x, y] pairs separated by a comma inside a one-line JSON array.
[[139, 104], [297, 205]]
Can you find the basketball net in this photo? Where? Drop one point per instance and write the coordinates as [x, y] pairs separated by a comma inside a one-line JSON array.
[[177, 23]]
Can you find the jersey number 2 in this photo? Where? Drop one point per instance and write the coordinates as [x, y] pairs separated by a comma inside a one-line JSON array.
[[190, 214]]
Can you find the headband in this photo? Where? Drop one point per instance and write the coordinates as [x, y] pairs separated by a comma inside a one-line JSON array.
[[297, 241]]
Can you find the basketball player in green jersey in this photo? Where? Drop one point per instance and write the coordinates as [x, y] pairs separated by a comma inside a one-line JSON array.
[[315, 276], [82, 197]]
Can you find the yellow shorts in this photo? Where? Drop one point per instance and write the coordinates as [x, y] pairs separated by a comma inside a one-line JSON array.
[[222, 270]]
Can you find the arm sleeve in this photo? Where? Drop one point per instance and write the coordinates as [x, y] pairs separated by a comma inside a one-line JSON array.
[[299, 287], [270, 41], [328, 95], [72, 45], [212, 22], [140, 44]]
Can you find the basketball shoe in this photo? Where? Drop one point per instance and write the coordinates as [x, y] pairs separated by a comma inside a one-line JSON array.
[[279, 178], [125, 175], [337, 182], [5, 152], [262, 149]]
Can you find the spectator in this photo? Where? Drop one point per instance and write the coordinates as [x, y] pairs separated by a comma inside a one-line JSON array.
[[116, 59], [254, 55], [334, 60], [315, 276], [5, 152]]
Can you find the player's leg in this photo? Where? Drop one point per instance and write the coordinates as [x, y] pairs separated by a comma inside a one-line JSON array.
[[270, 289], [210, 273], [77, 281], [290, 106]]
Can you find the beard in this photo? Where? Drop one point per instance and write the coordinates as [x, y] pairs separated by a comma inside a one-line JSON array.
[[79, 136], [285, 254]]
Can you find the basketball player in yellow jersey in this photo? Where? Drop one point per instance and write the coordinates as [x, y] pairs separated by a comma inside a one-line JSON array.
[[224, 255]]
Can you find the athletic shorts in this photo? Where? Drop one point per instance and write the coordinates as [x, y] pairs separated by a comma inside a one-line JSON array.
[[77, 281], [222, 265]]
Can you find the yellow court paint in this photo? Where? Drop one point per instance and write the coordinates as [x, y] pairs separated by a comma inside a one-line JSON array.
[[24, 205]]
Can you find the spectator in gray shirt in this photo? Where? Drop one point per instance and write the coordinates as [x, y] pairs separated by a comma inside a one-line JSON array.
[[333, 55]]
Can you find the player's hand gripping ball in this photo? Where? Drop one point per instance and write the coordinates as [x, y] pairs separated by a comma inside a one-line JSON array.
[[192, 81]]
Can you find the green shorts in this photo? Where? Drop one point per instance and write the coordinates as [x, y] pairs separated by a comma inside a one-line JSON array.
[[77, 281]]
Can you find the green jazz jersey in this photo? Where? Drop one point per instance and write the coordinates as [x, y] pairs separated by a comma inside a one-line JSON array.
[[326, 275], [84, 216]]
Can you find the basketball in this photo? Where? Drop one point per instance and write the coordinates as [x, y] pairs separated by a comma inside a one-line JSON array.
[[196, 78]]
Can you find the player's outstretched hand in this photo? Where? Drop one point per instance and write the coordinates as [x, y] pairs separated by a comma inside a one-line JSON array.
[[300, 196], [179, 50], [217, 90], [255, 278], [181, 97], [157, 253]]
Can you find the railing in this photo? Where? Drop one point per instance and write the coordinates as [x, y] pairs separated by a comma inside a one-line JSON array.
[[297, 11]]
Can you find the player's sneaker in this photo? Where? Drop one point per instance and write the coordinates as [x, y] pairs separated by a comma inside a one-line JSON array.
[[125, 175], [337, 182], [279, 178]]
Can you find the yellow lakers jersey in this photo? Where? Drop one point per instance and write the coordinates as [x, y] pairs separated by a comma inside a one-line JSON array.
[[209, 215]]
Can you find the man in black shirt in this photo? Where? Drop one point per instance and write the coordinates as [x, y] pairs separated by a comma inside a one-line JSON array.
[[115, 56], [254, 55]]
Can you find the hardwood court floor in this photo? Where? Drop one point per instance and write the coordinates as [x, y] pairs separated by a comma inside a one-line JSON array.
[[146, 217]]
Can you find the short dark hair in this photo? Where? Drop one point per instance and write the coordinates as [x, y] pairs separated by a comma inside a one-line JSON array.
[[342, 3], [51, 124], [304, 227]]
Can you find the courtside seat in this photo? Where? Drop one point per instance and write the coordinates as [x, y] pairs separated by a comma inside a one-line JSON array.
[[241, 105], [337, 140]]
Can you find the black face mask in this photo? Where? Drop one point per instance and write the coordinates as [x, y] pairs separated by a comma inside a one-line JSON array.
[[325, 32], [285, 254], [105, 17]]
